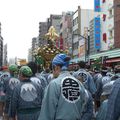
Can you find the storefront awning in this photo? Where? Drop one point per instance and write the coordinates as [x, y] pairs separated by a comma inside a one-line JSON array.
[[113, 60]]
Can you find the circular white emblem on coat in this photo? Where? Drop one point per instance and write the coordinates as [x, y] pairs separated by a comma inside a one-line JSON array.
[[70, 89], [28, 92], [36, 80], [83, 76], [13, 82], [4, 76]]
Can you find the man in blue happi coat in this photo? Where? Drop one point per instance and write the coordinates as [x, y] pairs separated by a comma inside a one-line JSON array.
[[88, 81], [65, 97], [36, 77], [107, 88], [113, 109], [27, 97], [10, 84]]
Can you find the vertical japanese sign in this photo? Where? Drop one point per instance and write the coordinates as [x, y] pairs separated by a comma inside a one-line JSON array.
[[97, 33], [97, 5]]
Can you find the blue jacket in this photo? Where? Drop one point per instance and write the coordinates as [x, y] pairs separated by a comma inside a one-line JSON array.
[[64, 99], [10, 84], [43, 80], [87, 80], [26, 101], [113, 110], [102, 111], [88, 111]]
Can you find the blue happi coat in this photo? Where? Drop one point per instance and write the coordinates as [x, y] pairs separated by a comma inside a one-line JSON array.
[[45, 75], [50, 77], [96, 78], [100, 83], [113, 109], [42, 79], [36, 80], [102, 111], [26, 101], [10, 84], [88, 111], [3, 79], [1, 73], [88, 81], [64, 99]]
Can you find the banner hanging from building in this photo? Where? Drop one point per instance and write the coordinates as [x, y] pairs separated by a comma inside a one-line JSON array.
[[97, 5], [97, 33]]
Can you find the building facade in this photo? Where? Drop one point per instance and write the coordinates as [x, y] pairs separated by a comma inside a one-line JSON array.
[[34, 46], [5, 58], [43, 29], [107, 24], [106, 31], [29, 55], [66, 31], [12, 61], [81, 23], [55, 20], [117, 23], [1, 48]]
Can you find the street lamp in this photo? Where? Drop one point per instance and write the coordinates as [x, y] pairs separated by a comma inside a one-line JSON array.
[[87, 43]]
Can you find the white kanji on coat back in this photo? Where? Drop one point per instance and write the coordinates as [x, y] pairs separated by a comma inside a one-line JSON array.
[[70, 89]]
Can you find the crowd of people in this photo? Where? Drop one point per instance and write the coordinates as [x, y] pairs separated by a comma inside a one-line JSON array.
[[59, 94]]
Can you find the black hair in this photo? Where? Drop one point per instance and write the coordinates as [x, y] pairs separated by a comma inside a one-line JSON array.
[[67, 59], [88, 67], [47, 70], [96, 70], [33, 67], [104, 71], [82, 64], [25, 75], [53, 67]]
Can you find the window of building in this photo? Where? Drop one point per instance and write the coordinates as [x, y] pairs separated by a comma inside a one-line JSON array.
[[110, 12], [105, 37], [61, 25], [110, 34], [104, 17], [75, 33], [104, 1], [75, 45], [75, 21]]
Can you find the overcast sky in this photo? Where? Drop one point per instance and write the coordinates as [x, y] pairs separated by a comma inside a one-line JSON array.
[[20, 20]]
